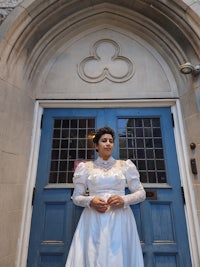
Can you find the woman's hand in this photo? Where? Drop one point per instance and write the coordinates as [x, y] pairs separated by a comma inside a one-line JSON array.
[[99, 204], [115, 201]]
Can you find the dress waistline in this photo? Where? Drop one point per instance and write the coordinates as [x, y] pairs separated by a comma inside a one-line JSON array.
[[107, 192]]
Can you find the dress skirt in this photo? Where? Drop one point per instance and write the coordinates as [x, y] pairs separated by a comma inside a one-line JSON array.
[[107, 239]]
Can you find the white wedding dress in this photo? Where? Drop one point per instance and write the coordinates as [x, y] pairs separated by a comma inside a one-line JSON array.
[[107, 239]]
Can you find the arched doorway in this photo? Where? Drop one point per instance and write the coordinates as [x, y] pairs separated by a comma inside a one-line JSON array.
[[36, 49], [106, 62]]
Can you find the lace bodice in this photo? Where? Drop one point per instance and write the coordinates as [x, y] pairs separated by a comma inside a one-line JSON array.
[[104, 178]]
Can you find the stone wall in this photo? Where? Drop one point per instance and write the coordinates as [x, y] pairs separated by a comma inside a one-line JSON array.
[[6, 7]]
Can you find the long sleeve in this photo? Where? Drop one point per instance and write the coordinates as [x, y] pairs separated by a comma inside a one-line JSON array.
[[79, 196], [132, 177]]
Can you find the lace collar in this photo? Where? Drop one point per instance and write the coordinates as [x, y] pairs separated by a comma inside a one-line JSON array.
[[105, 164]]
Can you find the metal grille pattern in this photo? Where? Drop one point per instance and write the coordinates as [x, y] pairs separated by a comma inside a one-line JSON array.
[[140, 139], [72, 141]]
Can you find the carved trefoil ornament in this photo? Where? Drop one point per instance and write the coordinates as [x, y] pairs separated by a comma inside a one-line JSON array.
[[106, 62]]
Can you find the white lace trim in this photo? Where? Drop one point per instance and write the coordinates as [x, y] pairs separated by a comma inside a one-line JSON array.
[[105, 164]]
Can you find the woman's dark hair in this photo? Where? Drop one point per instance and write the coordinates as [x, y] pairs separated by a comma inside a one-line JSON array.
[[102, 131]]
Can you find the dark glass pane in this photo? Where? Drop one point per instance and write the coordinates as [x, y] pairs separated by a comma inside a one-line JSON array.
[[140, 154], [147, 122], [82, 134], [91, 123], [122, 142], [162, 177], [56, 143], [157, 132], [81, 143], [54, 166], [64, 143], [70, 177], [65, 124], [82, 123], [138, 122], [131, 154], [160, 164], [123, 154], [56, 133], [139, 132], [81, 154], [72, 154], [73, 133], [159, 153], [55, 154], [148, 143], [63, 154], [141, 164], [130, 133], [158, 142], [150, 153], [147, 132], [63, 166], [71, 166], [150, 165], [57, 123], [73, 123], [156, 122], [140, 143], [62, 177], [53, 177], [152, 177], [121, 133], [65, 133], [73, 143], [143, 177], [130, 122], [131, 143]]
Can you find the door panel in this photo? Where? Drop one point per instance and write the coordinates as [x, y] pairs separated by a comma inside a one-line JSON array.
[[145, 135]]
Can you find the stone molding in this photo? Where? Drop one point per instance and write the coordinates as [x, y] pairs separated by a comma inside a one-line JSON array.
[[96, 67]]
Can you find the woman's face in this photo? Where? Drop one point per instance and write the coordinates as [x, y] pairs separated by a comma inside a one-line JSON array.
[[105, 146]]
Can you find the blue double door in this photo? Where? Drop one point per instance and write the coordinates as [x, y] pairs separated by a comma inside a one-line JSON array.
[[145, 135]]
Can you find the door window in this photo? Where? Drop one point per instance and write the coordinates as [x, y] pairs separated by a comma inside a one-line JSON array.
[[140, 139], [72, 140]]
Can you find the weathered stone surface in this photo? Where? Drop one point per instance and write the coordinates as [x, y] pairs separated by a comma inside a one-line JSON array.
[[6, 7], [10, 3]]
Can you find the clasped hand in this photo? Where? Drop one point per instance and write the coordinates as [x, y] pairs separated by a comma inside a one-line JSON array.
[[101, 205]]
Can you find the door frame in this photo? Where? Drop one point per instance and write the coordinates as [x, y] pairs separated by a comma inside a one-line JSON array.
[[182, 155]]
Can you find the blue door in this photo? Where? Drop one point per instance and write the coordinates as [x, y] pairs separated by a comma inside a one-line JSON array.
[[144, 135]]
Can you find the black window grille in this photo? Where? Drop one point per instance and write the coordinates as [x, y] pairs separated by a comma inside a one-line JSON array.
[[72, 142], [140, 139]]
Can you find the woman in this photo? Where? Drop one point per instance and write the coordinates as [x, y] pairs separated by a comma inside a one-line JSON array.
[[106, 235]]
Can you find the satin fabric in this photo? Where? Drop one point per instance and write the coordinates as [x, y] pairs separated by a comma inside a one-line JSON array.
[[108, 239]]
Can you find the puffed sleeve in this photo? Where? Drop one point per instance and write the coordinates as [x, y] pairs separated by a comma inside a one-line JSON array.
[[133, 181], [79, 196]]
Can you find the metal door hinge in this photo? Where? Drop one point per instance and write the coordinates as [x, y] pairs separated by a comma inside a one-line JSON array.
[[172, 116], [33, 196], [183, 195], [41, 122]]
